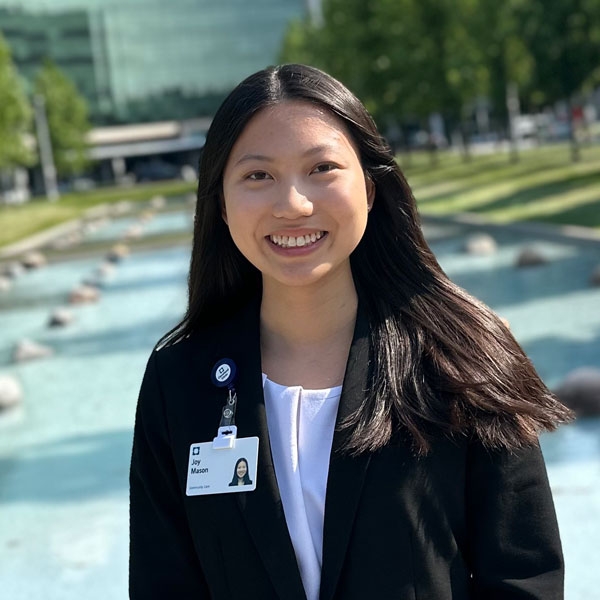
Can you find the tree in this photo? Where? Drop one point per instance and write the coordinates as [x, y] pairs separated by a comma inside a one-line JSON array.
[[403, 58], [67, 114], [563, 37], [15, 114], [505, 59]]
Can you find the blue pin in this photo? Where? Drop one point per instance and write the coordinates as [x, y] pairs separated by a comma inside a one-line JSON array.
[[224, 372]]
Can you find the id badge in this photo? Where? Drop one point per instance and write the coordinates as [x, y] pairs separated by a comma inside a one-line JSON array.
[[222, 470]]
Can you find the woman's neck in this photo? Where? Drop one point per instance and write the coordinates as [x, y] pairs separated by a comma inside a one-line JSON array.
[[306, 332]]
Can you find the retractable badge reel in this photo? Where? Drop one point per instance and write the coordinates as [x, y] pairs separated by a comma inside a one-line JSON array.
[[228, 464], [223, 375]]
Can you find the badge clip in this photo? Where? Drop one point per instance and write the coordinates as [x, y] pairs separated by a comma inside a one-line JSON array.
[[225, 439]]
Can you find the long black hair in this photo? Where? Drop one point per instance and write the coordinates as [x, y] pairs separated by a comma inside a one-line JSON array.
[[441, 362]]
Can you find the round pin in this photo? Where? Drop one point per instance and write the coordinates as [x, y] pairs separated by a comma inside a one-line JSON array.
[[223, 372]]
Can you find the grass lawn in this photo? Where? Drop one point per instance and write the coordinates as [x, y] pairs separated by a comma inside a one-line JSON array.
[[18, 222], [543, 186]]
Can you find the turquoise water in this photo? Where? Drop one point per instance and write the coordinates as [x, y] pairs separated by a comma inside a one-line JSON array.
[[64, 455]]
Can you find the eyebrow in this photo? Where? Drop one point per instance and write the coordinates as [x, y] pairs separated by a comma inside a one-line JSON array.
[[262, 157]]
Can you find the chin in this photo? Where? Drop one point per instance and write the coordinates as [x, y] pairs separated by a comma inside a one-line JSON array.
[[318, 276]]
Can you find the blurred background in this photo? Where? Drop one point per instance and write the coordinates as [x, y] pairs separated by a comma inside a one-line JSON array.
[[492, 109]]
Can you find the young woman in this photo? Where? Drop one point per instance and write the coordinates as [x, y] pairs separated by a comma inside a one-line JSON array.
[[240, 473], [396, 416]]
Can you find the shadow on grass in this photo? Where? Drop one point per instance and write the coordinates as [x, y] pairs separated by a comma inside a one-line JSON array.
[[587, 215], [470, 187], [490, 165], [541, 191]]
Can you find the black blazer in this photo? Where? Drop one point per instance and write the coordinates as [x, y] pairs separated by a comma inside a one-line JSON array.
[[461, 523]]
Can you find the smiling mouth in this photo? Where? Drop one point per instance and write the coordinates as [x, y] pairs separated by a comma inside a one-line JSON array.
[[284, 241]]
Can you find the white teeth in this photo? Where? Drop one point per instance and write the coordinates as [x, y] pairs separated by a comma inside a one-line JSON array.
[[285, 241]]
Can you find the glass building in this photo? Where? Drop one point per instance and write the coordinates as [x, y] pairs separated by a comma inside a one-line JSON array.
[[148, 60]]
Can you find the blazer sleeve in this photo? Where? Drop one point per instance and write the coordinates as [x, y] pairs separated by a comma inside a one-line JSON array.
[[514, 544], [162, 560]]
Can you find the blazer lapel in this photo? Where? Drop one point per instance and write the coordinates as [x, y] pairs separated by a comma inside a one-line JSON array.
[[262, 508], [341, 501]]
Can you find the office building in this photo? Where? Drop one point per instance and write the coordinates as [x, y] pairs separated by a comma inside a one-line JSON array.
[[148, 60]]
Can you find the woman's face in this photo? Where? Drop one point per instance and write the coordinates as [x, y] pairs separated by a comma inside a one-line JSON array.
[[295, 194], [242, 469]]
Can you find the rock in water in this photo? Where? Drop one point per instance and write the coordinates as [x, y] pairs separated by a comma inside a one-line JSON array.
[[11, 392], [60, 318], [122, 208], [595, 277], [5, 284], [158, 202], [12, 270], [84, 294], [117, 253], [481, 244], [580, 391], [134, 232], [105, 270], [28, 350], [531, 257], [33, 260]]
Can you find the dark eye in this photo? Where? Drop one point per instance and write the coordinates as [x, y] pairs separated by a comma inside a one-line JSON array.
[[324, 168], [258, 176]]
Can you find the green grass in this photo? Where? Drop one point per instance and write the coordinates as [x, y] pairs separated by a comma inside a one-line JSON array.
[[18, 222], [544, 186]]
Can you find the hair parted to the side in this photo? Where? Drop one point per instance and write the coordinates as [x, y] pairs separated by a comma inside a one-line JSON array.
[[442, 363]]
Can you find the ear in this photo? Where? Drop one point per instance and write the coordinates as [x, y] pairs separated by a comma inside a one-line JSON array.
[[370, 184]]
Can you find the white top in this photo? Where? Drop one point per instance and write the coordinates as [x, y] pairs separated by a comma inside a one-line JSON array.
[[301, 424]]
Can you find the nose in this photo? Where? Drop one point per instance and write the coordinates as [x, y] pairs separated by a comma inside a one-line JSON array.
[[292, 203]]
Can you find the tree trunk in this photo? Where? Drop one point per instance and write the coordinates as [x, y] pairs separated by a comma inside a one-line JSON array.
[[512, 112], [575, 150], [513, 151], [466, 143], [432, 150]]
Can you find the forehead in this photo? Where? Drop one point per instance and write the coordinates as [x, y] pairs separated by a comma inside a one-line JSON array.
[[302, 122]]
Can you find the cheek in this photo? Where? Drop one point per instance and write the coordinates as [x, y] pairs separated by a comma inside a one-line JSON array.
[[244, 207], [241, 216], [350, 202]]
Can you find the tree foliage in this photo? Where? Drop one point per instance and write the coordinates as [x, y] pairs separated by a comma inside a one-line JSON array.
[[15, 114], [410, 58], [67, 114], [563, 37]]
